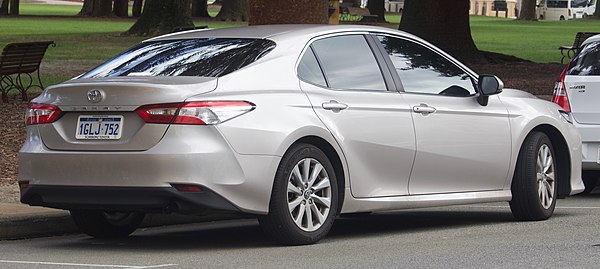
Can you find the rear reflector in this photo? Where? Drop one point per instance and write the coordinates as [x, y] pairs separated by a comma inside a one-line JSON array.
[[41, 113], [194, 113], [187, 188]]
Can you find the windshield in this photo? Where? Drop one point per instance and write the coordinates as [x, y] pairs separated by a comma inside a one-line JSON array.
[[209, 57]]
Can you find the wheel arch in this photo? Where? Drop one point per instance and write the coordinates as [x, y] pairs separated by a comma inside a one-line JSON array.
[[334, 158], [562, 155]]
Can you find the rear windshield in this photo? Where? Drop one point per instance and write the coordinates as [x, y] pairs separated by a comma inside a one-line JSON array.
[[586, 62], [209, 57]]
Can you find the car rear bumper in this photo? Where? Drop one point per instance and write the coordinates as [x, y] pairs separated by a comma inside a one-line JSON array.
[[142, 199], [590, 148], [185, 155]]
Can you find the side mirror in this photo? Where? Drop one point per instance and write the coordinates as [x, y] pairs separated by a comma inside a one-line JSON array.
[[488, 85]]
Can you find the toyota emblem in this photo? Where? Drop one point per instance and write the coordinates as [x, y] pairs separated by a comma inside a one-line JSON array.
[[95, 96]]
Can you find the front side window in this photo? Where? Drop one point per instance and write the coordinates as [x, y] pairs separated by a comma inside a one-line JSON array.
[[207, 57], [348, 63], [422, 70], [587, 61]]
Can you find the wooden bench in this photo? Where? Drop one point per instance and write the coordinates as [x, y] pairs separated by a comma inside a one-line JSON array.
[[356, 14], [18, 63], [568, 51]]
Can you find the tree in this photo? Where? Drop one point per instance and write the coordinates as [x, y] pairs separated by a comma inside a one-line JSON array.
[[527, 10], [235, 10], [96, 8], [9, 7], [121, 8], [443, 23], [4, 7], [200, 8], [136, 10], [162, 16], [377, 7], [13, 7], [278, 12]]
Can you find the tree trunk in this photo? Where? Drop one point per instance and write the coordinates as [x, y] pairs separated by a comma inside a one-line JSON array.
[[163, 16], [443, 23], [121, 8], [87, 8], [102, 8], [137, 8], [235, 10], [527, 11], [200, 8], [288, 12], [14, 7], [377, 7], [4, 7]]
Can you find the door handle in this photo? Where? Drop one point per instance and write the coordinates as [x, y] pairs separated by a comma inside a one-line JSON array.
[[334, 105], [424, 109]]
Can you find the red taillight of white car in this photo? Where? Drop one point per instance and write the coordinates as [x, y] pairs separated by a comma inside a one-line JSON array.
[[560, 96], [41, 113], [194, 113]]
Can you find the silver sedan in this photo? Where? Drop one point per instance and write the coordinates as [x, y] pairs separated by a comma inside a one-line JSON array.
[[293, 124]]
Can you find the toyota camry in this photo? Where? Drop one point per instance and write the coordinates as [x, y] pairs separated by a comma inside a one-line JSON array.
[[292, 124]]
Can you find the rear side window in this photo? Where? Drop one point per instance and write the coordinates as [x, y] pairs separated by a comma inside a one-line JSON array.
[[207, 57], [586, 62], [309, 70], [349, 63]]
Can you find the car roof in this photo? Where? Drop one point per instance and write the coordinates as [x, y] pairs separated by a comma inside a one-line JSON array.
[[277, 32]]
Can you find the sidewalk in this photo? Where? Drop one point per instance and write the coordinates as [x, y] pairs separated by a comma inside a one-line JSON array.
[[19, 221]]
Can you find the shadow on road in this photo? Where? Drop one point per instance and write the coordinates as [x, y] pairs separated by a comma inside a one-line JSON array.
[[246, 233]]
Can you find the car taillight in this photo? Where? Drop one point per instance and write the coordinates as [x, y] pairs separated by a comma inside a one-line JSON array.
[[41, 113], [559, 96], [194, 113]]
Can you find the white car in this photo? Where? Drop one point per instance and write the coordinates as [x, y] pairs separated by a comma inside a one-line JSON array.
[[578, 91], [295, 124]]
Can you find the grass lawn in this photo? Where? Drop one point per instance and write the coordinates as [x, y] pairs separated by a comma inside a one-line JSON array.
[[84, 43]]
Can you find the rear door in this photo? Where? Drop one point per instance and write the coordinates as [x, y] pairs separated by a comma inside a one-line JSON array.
[[583, 84], [360, 106]]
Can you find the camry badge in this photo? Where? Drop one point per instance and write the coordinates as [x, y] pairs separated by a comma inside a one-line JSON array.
[[95, 96]]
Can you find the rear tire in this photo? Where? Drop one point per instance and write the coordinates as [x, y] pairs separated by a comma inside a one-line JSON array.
[[107, 225], [534, 182], [304, 200]]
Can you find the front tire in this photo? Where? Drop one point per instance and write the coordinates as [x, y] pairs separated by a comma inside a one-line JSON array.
[[304, 200], [107, 225], [534, 182]]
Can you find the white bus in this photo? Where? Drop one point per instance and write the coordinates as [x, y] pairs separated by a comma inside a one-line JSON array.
[[590, 9], [554, 10], [578, 8]]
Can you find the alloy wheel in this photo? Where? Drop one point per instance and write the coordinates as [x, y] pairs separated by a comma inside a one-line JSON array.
[[309, 194]]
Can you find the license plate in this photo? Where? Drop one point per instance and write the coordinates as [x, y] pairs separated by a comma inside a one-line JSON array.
[[99, 127]]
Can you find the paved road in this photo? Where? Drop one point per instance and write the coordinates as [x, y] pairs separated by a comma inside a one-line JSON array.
[[475, 236]]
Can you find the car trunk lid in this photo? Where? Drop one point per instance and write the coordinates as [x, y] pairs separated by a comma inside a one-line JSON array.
[[120, 97]]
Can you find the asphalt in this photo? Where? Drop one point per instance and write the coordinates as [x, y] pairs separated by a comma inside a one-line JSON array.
[[18, 221]]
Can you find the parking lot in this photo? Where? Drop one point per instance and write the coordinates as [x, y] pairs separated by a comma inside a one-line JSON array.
[[471, 236]]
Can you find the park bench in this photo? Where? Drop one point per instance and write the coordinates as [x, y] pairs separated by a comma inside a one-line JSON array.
[[18, 63], [568, 51], [356, 14]]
